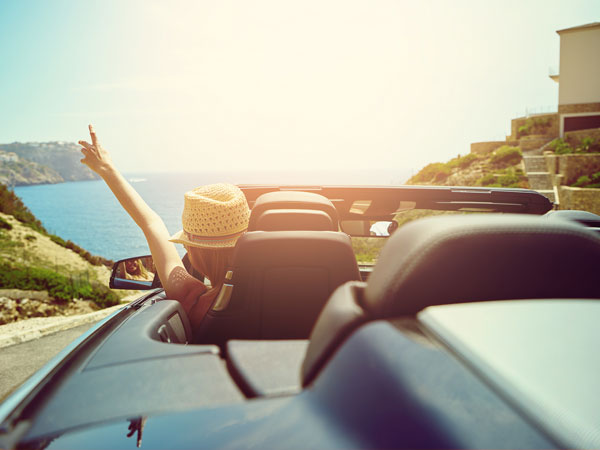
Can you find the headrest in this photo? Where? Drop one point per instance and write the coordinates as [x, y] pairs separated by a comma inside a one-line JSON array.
[[294, 219], [294, 248], [296, 211], [464, 258]]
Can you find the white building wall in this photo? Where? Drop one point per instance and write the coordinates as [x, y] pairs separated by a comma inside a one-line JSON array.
[[579, 71]]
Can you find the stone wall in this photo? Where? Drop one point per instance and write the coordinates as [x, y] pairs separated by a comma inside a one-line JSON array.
[[552, 129], [574, 137], [551, 162], [514, 126], [579, 108], [571, 167], [534, 141], [486, 147], [579, 198]]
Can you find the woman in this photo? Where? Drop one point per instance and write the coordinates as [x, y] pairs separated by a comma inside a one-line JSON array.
[[133, 269], [214, 217]]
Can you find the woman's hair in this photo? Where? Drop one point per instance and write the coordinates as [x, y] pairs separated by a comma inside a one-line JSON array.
[[212, 262]]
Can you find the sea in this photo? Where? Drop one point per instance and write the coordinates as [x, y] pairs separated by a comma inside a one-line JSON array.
[[87, 213]]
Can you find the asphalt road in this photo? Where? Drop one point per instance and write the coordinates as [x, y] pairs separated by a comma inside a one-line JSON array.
[[19, 362]]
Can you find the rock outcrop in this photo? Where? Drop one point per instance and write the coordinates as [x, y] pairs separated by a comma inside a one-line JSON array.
[[20, 172], [42, 162]]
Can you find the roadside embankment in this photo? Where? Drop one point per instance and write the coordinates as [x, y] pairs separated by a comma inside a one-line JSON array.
[[34, 328]]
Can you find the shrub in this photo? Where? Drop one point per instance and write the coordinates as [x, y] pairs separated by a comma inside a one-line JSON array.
[[433, 171], [442, 174], [582, 181], [488, 179], [11, 204], [523, 131], [506, 155], [5, 225], [588, 181], [101, 295], [59, 287], [34, 278], [30, 237], [58, 240], [509, 180], [586, 145], [537, 125], [462, 162], [467, 160], [561, 147]]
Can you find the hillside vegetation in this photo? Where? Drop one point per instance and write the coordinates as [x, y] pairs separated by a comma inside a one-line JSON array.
[[501, 168], [31, 259]]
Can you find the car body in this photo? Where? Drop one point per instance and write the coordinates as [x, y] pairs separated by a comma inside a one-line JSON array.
[[470, 331]]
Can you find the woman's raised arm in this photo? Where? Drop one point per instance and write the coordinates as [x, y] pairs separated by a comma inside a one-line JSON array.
[[175, 279]]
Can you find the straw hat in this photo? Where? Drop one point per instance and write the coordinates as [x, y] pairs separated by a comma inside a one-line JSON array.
[[214, 216]]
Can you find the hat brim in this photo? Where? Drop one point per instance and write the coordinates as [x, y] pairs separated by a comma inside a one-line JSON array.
[[181, 238]]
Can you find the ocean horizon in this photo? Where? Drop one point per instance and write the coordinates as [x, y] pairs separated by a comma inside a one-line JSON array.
[[87, 213]]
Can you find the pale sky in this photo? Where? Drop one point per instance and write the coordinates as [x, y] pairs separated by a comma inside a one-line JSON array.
[[324, 84]]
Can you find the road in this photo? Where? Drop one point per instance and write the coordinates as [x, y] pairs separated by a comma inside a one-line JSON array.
[[19, 362]]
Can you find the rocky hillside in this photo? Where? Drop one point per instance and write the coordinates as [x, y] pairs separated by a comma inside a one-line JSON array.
[[501, 168], [15, 171], [41, 274], [36, 271], [41, 162]]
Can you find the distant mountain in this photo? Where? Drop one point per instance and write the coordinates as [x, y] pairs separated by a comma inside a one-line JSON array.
[[53, 162]]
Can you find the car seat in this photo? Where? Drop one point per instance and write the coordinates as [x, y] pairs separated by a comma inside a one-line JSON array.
[[280, 280], [456, 259]]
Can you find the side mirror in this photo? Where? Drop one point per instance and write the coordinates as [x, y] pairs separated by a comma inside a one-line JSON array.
[[136, 273]]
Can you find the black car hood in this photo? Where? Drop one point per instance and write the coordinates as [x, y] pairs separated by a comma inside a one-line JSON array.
[[273, 423]]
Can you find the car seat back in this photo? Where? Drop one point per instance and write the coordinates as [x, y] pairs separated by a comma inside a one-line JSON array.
[[456, 259], [278, 284]]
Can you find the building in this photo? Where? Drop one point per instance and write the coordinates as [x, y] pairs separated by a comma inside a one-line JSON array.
[[8, 157], [579, 78]]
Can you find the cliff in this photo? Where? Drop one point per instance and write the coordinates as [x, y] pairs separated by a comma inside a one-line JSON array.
[[42, 162]]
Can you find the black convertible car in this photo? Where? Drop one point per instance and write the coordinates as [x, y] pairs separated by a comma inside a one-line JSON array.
[[471, 330]]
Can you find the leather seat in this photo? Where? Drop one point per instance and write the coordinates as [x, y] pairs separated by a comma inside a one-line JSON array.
[[282, 276], [279, 282], [455, 259]]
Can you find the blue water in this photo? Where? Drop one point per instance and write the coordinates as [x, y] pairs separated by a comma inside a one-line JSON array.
[[87, 213]]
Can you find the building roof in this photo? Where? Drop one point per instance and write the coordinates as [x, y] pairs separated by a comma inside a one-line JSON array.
[[580, 27]]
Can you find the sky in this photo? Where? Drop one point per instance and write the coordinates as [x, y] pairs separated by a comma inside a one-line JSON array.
[[276, 85]]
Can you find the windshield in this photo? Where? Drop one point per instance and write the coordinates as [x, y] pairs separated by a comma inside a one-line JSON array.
[[367, 249]]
